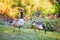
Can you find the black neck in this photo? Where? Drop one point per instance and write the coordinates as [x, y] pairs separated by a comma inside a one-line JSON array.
[[21, 16]]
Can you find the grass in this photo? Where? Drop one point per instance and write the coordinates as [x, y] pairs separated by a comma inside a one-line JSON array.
[[6, 33]]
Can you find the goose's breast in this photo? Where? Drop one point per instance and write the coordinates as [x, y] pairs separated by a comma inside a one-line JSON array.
[[21, 21]]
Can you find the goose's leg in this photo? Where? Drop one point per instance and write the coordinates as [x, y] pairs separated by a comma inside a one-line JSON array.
[[45, 31], [19, 29], [14, 29], [34, 29], [39, 30]]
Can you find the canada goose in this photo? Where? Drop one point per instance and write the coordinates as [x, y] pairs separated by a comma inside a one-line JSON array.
[[38, 25], [18, 22]]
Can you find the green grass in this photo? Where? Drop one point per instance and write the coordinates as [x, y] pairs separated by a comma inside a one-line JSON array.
[[6, 33]]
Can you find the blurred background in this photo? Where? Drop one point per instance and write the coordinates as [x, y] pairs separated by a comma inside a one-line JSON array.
[[46, 11]]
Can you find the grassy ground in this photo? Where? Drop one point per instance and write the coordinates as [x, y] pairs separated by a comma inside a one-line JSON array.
[[6, 33]]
